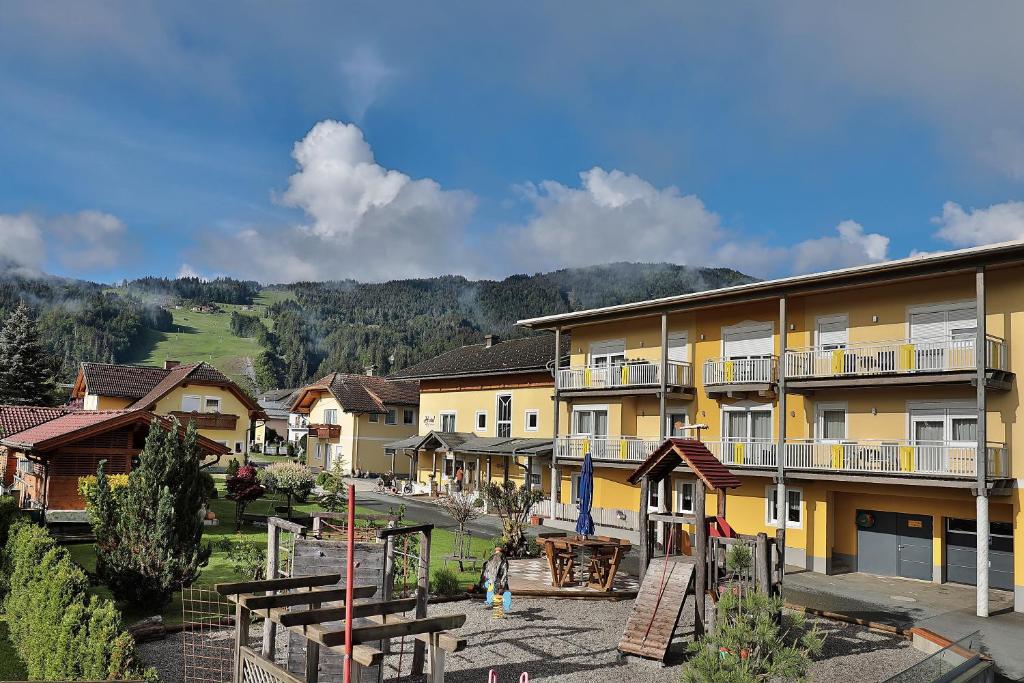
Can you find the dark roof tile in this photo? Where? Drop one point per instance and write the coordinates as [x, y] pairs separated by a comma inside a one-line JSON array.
[[529, 354]]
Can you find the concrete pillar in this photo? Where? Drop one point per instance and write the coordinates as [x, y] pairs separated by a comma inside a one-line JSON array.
[[556, 485], [780, 447], [982, 455]]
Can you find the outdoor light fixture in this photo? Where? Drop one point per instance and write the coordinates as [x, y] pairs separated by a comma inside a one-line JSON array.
[[792, 327], [874, 318], [702, 336], [874, 411]]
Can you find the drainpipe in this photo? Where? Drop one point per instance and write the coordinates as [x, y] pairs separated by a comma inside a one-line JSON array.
[[981, 459], [780, 453], [556, 475]]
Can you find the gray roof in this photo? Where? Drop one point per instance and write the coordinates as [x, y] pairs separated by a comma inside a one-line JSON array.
[[277, 403], [529, 354], [471, 444]]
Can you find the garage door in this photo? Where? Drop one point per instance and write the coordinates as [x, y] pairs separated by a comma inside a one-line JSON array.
[[894, 544], [962, 553]]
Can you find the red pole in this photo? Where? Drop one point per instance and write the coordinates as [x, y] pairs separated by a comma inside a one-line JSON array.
[[349, 580]]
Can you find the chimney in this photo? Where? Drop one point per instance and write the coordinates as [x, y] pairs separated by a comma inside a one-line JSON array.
[[490, 340], [370, 370], [168, 364]]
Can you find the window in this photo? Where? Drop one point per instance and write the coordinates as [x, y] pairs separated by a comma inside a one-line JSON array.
[[91, 402], [831, 424], [374, 417], [448, 422], [685, 492], [535, 479], [481, 421], [391, 418], [532, 420], [575, 488], [238, 447], [408, 416], [212, 404], [191, 404], [503, 421], [652, 498], [674, 423], [794, 507], [605, 359], [331, 416]]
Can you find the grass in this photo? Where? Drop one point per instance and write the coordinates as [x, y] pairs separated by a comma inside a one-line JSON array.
[[220, 569], [11, 666]]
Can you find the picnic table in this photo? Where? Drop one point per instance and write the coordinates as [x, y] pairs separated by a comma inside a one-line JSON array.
[[605, 555]]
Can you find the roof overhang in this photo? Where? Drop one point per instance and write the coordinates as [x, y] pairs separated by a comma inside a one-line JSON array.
[[692, 453]]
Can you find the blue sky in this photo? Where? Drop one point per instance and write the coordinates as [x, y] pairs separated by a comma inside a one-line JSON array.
[[286, 141]]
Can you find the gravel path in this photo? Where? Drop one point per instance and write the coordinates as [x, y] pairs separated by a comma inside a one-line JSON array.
[[575, 641]]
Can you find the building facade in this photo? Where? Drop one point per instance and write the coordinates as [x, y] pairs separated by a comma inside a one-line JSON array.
[[871, 412], [349, 418]]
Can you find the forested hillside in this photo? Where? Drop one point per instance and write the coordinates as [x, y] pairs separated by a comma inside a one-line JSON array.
[[301, 331]]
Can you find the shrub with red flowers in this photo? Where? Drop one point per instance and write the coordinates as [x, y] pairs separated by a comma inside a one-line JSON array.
[[243, 488]]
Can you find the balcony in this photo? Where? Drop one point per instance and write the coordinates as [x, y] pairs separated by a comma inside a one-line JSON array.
[[903, 361], [889, 458], [207, 420], [729, 375], [324, 432], [610, 448], [626, 378]]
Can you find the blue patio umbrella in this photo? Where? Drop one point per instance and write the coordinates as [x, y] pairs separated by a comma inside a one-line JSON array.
[[585, 523]]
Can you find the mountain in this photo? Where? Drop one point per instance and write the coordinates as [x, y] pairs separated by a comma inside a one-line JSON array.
[[284, 335]]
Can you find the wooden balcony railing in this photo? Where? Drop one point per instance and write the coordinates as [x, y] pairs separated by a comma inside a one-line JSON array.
[[625, 375], [208, 420], [324, 431]]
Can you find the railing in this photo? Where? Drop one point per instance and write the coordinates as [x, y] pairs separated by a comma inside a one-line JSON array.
[[744, 452], [937, 458], [207, 420], [625, 448], [570, 512], [893, 357], [763, 370], [324, 431], [625, 375]]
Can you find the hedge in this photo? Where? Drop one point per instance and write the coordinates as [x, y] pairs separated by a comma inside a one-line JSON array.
[[59, 631]]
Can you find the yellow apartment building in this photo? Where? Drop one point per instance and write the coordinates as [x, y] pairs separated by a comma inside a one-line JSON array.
[[198, 392], [879, 403], [350, 418], [484, 408]]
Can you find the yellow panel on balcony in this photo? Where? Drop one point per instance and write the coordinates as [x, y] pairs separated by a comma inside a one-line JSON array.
[[906, 458], [837, 456], [738, 453], [623, 446], [727, 368], [908, 359], [586, 446], [838, 361], [586, 377], [625, 374]]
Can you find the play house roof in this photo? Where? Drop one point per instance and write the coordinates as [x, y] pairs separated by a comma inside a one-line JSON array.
[[692, 453]]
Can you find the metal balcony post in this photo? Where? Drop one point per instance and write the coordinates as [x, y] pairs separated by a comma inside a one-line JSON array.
[[555, 474], [981, 459], [780, 454], [663, 484]]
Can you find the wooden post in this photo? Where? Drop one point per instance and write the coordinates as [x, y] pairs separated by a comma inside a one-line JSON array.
[[312, 654], [242, 618], [701, 557], [389, 581], [422, 594], [269, 627], [762, 564], [436, 660], [720, 495], [486, 506], [645, 526]]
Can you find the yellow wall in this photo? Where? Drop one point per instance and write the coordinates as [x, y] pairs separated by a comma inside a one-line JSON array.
[[467, 403], [362, 441], [229, 405], [94, 402]]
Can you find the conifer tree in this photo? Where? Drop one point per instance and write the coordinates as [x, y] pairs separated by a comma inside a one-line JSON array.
[[149, 540], [25, 375]]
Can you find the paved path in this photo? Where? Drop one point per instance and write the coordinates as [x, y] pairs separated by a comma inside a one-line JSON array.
[[947, 609]]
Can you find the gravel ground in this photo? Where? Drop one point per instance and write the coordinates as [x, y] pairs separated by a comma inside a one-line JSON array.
[[573, 640]]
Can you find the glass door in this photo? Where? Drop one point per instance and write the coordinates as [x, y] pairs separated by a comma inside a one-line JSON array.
[[592, 426], [928, 432]]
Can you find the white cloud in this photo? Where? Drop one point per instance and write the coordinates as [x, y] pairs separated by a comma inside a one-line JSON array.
[[365, 75], [84, 241], [612, 216], [997, 223], [363, 221], [851, 247]]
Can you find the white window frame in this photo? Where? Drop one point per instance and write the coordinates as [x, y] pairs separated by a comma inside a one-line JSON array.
[[935, 308], [946, 411], [198, 401], [574, 488], [677, 488], [442, 415], [748, 325], [238, 447], [679, 335], [838, 317], [748, 407], [498, 422], [592, 356], [331, 416], [769, 492], [391, 417], [670, 412], [536, 479], [819, 420], [408, 413], [532, 412], [477, 427], [589, 408], [215, 399]]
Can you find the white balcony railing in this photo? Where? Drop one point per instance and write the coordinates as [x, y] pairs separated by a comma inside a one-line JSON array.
[[624, 375], [744, 452], [763, 370], [892, 357], [934, 458], [623, 448]]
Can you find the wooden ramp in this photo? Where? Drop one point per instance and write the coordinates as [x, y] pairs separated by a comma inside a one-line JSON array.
[[652, 623]]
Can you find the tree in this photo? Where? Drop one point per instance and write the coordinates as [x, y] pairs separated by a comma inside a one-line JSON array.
[[149, 540], [463, 508], [752, 641], [25, 376], [335, 495], [290, 478], [243, 487], [513, 504]]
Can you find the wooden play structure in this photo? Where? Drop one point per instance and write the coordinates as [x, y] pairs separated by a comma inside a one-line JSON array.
[[683, 568]]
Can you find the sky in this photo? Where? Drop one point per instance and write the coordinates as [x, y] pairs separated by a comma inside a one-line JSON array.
[[310, 141]]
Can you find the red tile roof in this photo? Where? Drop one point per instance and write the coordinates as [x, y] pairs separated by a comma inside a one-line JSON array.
[[364, 393], [695, 455], [14, 419], [63, 425]]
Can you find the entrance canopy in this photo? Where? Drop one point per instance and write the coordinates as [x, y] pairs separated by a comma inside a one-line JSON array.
[[471, 444], [675, 452]]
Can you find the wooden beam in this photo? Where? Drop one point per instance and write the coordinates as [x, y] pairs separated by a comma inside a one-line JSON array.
[[399, 530], [369, 634], [446, 641], [277, 584], [257, 602], [359, 610]]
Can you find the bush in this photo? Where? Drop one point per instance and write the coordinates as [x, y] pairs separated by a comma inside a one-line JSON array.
[[243, 488], [232, 468], [291, 479], [323, 479], [59, 632], [208, 486], [445, 582], [87, 486], [8, 513], [248, 559]]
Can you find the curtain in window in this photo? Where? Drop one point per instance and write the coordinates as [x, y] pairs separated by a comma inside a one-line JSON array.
[[736, 423], [965, 429], [761, 422], [833, 424]]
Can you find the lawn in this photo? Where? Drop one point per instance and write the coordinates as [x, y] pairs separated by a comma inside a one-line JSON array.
[[221, 570]]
